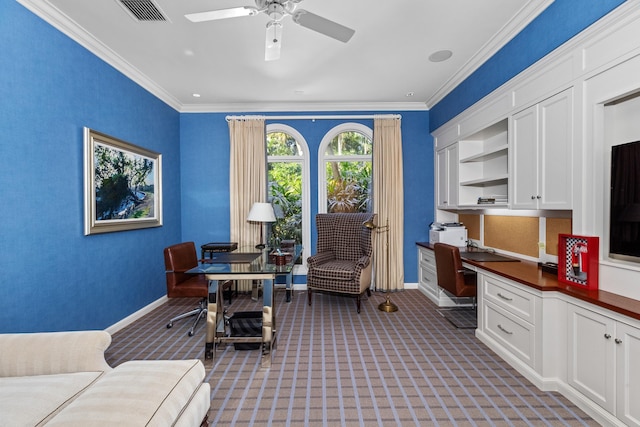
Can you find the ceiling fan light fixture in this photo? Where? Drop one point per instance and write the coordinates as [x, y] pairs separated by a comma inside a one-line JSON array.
[[273, 41]]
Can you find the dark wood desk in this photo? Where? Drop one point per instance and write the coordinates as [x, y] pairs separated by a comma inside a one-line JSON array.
[[528, 273]]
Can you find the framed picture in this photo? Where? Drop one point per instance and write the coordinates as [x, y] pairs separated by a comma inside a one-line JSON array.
[[578, 261], [122, 185]]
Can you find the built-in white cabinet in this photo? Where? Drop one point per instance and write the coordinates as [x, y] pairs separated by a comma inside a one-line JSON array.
[[603, 357], [427, 274], [446, 175], [510, 317], [483, 167], [541, 155]]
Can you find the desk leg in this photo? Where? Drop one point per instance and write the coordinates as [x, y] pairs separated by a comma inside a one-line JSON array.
[[289, 285], [269, 335], [214, 316]]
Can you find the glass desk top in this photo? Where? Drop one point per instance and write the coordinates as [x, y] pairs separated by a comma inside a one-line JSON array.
[[247, 261]]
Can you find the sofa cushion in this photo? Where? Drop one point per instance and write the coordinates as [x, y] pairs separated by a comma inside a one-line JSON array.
[[30, 401], [136, 393]]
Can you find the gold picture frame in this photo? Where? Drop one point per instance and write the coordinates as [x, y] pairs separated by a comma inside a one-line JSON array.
[[122, 185]]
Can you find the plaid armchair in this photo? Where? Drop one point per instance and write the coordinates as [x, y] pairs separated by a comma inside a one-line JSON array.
[[342, 264]]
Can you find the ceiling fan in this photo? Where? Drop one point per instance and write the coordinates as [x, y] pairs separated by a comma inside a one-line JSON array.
[[277, 10]]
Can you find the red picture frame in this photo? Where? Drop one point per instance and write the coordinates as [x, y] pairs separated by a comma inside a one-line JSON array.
[[578, 260]]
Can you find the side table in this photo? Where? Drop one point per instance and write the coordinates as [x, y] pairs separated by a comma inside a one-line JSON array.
[[210, 248]]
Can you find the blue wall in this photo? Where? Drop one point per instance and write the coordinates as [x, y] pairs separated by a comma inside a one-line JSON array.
[[53, 277], [562, 20], [205, 176]]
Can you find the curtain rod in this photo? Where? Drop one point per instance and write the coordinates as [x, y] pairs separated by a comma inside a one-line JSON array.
[[334, 117]]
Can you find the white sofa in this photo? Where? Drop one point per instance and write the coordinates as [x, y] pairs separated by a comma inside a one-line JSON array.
[[62, 379]]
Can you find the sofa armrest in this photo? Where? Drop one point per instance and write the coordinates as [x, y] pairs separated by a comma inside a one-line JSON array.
[[46, 353], [319, 258]]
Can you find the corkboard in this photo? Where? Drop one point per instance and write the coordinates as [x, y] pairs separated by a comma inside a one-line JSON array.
[[517, 234], [556, 226], [472, 222]]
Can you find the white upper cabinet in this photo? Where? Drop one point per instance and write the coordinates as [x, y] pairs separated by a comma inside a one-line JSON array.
[[446, 176], [541, 155]]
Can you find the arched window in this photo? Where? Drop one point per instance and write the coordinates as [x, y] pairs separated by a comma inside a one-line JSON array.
[[344, 169], [288, 184]]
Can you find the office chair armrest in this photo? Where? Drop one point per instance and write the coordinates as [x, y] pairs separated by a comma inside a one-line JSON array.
[[319, 259]]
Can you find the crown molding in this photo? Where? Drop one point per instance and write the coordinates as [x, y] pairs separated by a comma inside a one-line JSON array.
[[301, 106]]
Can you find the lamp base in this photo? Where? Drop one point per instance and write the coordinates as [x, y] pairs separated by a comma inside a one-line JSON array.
[[388, 306]]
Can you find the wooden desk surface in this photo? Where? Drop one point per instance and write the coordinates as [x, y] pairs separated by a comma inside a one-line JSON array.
[[529, 274]]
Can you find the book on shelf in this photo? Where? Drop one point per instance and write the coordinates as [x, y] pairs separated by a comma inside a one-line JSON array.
[[492, 200]]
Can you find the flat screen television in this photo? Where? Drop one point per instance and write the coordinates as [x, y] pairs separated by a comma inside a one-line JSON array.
[[624, 209]]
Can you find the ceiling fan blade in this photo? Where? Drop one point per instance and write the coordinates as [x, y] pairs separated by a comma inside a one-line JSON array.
[[212, 15], [273, 41], [323, 25]]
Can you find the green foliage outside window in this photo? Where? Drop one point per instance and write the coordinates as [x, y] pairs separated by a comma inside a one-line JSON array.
[[349, 182], [285, 187]]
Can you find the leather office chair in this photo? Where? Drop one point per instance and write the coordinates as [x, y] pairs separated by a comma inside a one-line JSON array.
[[178, 259], [452, 276], [342, 263], [457, 280]]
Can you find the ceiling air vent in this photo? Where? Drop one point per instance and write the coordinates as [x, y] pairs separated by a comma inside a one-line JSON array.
[[143, 10]]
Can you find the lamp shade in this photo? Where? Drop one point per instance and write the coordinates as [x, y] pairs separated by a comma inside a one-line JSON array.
[[261, 212]]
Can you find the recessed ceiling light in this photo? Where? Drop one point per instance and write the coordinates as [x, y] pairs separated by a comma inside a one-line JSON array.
[[409, 94], [298, 92], [441, 55], [196, 95], [189, 52]]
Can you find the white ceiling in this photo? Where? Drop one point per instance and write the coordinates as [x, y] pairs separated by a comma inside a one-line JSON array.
[[223, 60]]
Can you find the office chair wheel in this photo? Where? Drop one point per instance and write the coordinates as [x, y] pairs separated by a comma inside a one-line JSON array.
[[190, 333], [169, 325]]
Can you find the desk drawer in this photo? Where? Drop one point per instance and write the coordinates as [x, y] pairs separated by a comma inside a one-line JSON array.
[[427, 258], [428, 277], [512, 333], [510, 298]]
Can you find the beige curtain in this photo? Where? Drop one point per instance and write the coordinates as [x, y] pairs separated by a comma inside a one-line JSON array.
[[247, 180], [388, 202]]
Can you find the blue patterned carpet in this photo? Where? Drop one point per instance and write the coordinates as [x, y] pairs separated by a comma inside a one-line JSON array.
[[334, 367]]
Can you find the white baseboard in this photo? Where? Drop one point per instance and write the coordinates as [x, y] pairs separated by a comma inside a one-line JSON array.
[[137, 315]]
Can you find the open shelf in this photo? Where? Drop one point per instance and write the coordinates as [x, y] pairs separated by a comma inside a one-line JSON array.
[[495, 152], [487, 181]]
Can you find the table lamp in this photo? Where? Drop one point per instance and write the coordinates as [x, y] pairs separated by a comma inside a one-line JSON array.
[[262, 213]]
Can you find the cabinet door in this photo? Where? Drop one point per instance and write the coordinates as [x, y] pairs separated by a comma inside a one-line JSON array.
[[555, 152], [447, 177], [627, 341], [523, 185], [591, 364]]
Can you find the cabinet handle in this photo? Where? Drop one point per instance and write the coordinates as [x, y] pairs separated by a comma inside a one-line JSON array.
[[504, 298], [533, 197], [538, 197], [504, 330], [618, 341], [607, 336]]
